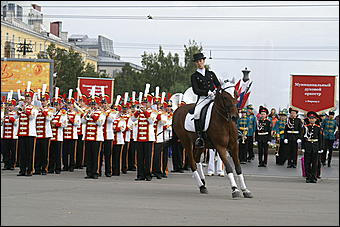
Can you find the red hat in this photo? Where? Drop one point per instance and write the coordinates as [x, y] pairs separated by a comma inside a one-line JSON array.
[[264, 109], [58, 100], [105, 99], [312, 114], [46, 96], [29, 93], [69, 101], [165, 104], [14, 102], [3, 99]]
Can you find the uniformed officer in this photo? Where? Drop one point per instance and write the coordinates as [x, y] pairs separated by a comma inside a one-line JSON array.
[[263, 136], [279, 134], [70, 136], [44, 133], [145, 138], [293, 134], [242, 126], [312, 138], [94, 136], [251, 131], [9, 134], [27, 133], [329, 129], [203, 83]]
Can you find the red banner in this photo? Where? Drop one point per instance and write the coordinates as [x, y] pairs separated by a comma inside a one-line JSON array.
[[85, 85], [313, 93]]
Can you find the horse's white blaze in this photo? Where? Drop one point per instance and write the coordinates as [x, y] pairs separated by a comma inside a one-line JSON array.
[[197, 178], [242, 183], [200, 170], [232, 180]]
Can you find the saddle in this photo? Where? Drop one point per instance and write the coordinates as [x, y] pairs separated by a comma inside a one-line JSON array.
[[204, 118]]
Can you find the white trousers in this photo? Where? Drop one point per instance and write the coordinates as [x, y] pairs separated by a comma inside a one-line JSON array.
[[211, 166], [203, 100]]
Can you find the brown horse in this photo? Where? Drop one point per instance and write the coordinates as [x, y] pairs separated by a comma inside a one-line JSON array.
[[222, 134]]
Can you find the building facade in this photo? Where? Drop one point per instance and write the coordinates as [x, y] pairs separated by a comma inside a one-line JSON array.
[[109, 63], [22, 22]]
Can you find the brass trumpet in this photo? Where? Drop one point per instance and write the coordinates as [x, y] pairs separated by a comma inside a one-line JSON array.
[[244, 135]]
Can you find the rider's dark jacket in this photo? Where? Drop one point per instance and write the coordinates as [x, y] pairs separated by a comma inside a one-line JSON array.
[[202, 84]]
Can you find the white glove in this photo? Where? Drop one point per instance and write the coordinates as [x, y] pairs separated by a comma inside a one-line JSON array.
[[298, 140], [285, 140], [303, 150], [268, 142], [255, 143], [210, 93], [320, 151]]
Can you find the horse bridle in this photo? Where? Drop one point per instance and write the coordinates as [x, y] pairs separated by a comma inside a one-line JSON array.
[[226, 108]]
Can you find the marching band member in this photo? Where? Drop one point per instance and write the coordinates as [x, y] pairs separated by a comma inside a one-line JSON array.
[[145, 138], [293, 135], [44, 133], [58, 124], [106, 150], [133, 139], [94, 135], [27, 133], [329, 130], [251, 131], [80, 153], [242, 126], [119, 127], [167, 137], [159, 124], [279, 132], [9, 133], [70, 135], [263, 136], [127, 133]]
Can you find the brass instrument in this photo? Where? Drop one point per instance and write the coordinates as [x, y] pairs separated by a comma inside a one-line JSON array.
[[244, 135]]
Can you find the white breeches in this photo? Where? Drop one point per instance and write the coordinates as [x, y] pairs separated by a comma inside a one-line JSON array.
[[211, 166], [204, 100]]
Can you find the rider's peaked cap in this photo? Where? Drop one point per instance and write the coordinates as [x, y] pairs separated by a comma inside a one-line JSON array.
[[198, 56], [312, 114]]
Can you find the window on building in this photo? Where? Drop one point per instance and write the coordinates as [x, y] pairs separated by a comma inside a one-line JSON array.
[[19, 39], [35, 46], [40, 47], [4, 9], [13, 37], [19, 12], [7, 36], [11, 8]]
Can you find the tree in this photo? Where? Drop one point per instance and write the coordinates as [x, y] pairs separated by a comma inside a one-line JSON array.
[[68, 65], [160, 69]]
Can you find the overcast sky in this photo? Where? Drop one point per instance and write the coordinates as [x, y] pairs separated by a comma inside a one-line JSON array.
[[271, 78]]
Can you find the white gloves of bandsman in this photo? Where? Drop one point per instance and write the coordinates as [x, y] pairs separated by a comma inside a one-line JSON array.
[[298, 140], [285, 141], [320, 151]]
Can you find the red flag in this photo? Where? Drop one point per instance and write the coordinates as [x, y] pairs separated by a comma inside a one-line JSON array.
[[169, 96], [245, 98], [237, 85]]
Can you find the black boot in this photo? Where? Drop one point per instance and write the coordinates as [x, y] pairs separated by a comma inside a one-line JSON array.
[[199, 143]]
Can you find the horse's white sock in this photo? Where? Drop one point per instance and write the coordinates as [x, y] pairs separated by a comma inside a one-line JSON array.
[[197, 178], [241, 179], [232, 180], [200, 170]]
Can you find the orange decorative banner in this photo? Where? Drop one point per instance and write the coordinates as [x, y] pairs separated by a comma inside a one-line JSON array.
[[16, 73]]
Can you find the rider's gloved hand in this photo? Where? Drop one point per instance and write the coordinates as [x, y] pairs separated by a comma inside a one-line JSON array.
[[211, 93]]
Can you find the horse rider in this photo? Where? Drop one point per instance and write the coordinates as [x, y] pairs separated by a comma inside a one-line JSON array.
[[203, 83]]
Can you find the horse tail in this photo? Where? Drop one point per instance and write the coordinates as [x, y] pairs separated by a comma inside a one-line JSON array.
[[174, 138]]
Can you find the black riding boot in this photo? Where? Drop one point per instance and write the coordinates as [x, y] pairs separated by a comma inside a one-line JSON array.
[[199, 143]]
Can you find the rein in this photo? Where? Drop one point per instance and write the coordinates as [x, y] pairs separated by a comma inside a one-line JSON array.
[[225, 108]]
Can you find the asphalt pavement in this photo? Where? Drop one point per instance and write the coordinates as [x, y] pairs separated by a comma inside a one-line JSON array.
[[281, 197]]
